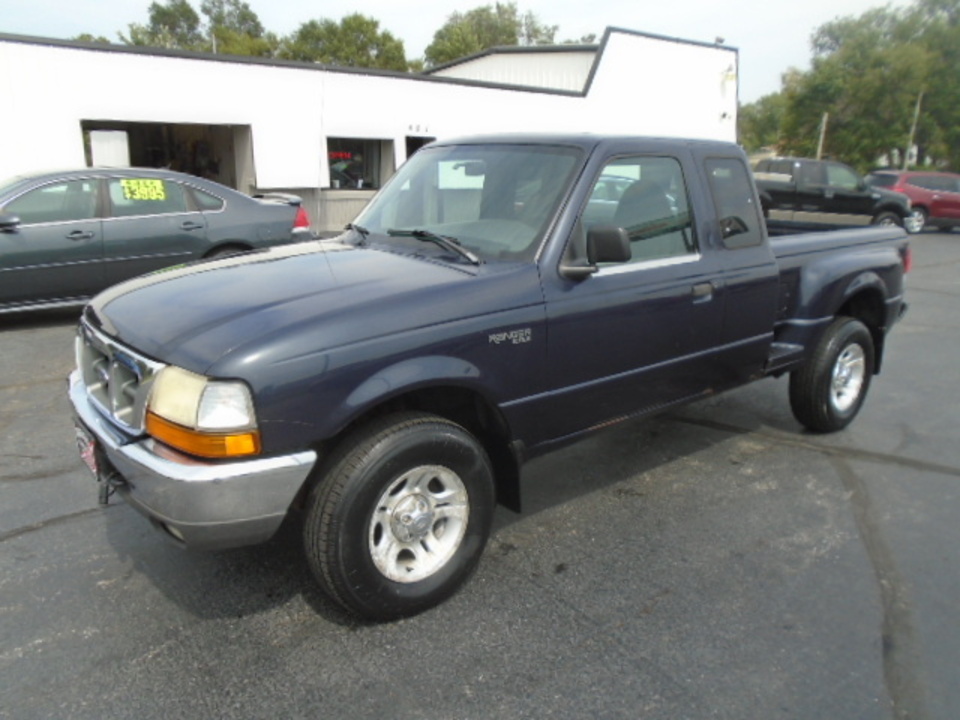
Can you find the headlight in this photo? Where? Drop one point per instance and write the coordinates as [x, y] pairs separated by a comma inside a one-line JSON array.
[[208, 418]]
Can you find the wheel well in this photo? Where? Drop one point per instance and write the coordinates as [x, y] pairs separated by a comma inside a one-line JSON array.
[[474, 413], [227, 248], [894, 209], [868, 307]]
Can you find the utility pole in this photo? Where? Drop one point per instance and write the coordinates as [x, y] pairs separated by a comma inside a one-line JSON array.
[[913, 131], [823, 135]]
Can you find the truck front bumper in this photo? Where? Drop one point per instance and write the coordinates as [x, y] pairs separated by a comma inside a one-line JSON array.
[[199, 504]]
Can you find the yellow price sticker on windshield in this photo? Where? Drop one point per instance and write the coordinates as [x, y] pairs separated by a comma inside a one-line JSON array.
[[143, 189]]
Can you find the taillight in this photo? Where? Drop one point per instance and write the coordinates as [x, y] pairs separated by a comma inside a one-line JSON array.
[[907, 260], [302, 220]]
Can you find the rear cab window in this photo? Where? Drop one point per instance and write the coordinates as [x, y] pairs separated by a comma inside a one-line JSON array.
[[733, 197]]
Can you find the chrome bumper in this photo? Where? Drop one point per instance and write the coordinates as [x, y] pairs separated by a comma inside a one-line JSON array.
[[200, 504]]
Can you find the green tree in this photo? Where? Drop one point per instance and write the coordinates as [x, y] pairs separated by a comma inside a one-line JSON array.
[[936, 24], [356, 41], [868, 73], [230, 27], [758, 123], [485, 27], [87, 37], [173, 24]]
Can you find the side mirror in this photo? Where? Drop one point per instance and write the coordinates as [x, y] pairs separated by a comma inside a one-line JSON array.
[[605, 243], [608, 243], [9, 223]]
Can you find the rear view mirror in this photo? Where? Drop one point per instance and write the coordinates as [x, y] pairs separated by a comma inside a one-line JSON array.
[[472, 168]]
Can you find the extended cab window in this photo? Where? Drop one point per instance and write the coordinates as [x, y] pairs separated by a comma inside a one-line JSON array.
[[733, 198], [145, 196], [57, 202], [840, 176], [647, 196]]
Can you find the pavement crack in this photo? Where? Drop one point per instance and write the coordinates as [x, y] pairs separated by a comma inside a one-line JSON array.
[[901, 652], [838, 452], [42, 524]]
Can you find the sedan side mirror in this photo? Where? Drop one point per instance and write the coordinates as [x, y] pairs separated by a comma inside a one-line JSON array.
[[9, 223]]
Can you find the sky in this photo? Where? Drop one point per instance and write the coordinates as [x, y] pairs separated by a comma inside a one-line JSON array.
[[771, 35]]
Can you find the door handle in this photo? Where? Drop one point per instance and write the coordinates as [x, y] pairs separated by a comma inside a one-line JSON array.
[[703, 292], [188, 225], [79, 235]]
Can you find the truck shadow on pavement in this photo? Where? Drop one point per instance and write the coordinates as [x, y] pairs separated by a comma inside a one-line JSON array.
[[624, 461], [38, 319]]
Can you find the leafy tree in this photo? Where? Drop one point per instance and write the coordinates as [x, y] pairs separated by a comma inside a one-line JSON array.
[[759, 122], [233, 15], [87, 37], [590, 39], [868, 73], [486, 27], [231, 27], [173, 24], [356, 41]]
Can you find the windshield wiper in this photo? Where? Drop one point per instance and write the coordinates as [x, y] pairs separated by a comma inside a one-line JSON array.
[[360, 230], [444, 241]]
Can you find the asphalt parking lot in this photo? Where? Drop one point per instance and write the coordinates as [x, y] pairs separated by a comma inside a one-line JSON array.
[[714, 562]]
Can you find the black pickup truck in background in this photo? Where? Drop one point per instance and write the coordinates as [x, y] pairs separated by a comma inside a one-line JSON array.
[[800, 194], [501, 296]]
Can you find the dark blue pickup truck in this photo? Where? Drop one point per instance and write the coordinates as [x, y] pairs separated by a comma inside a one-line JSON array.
[[500, 297]]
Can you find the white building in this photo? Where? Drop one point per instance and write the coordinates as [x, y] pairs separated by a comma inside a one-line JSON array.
[[332, 135]]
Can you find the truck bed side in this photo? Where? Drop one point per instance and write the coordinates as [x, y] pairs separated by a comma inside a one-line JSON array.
[[856, 272]]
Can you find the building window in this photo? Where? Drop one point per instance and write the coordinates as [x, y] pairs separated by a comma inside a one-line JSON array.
[[356, 163]]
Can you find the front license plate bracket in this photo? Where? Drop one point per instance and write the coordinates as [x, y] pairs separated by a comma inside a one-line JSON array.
[[92, 455]]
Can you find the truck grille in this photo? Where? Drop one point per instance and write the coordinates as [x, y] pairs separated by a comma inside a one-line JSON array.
[[117, 380]]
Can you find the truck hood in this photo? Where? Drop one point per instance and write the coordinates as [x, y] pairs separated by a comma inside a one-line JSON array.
[[297, 300]]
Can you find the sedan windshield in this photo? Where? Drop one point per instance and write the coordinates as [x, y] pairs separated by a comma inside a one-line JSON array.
[[494, 201]]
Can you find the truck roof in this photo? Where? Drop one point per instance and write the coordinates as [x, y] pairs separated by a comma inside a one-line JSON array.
[[586, 141]]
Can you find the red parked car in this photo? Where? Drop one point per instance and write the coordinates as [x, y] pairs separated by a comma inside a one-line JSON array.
[[935, 196]]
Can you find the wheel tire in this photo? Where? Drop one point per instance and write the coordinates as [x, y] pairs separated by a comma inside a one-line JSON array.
[[826, 393], [887, 218], [919, 218], [401, 515]]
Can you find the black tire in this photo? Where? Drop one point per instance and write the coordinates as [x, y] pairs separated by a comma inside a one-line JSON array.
[[887, 217], [401, 515], [827, 392]]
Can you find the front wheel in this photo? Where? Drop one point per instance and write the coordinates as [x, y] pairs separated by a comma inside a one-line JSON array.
[[401, 517], [887, 218], [826, 393], [916, 220]]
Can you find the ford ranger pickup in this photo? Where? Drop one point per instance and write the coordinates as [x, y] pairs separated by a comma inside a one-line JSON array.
[[500, 297]]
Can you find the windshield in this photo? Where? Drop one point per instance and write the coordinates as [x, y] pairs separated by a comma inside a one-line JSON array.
[[495, 201], [8, 184]]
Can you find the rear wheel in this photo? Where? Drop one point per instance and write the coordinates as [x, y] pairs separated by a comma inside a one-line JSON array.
[[401, 516], [826, 393]]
